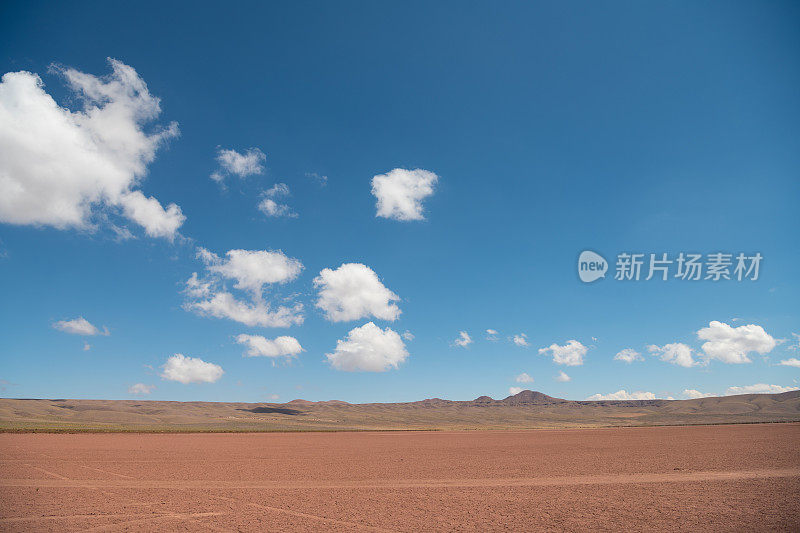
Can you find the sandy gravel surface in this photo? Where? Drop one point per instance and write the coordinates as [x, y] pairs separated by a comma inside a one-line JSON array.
[[709, 478]]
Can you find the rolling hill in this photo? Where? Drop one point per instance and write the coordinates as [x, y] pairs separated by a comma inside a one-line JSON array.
[[528, 409]]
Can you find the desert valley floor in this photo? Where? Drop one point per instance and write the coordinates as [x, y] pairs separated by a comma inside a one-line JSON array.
[[743, 477]]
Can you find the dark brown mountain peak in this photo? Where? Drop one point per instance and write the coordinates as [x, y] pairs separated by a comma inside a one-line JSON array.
[[530, 397], [483, 400]]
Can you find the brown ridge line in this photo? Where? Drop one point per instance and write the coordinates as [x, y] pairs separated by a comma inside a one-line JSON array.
[[603, 479]]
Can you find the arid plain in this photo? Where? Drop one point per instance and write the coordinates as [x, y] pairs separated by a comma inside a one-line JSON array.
[[76, 465], [706, 478]]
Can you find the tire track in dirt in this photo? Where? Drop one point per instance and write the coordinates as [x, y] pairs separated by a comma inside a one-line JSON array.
[[91, 485], [609, 479], [173, 516], [18, 519], [300, 514], [139, 518], [106, 472]]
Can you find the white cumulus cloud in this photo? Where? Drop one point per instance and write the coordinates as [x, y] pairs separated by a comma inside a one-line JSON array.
[[732, 345], [368, 349], [238, 164], [523, 378], [151, 215], [400, 193], [758, 388], [463, 340], [354, 291], [258, 313], [571, 354], [628, 355], [141, 388], [792, 361], [80, 326], [251, 270], [676, 353], [258, 346], [71, 169], [190, 370], [623, 395], [513, 391], [563, 377]]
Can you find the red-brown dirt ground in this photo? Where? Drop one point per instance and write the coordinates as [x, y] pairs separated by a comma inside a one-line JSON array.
[[705, 478]]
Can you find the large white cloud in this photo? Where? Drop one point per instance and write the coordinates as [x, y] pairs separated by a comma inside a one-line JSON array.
[[400, 193], [759, 388], [251, 270], [628, 355], [258, 346], [190, 370], [151, 215], [732, 345], [369, 349], [676, 353], [258, 313], [239, 164], [70, 169], [571, 354], [80, 326], [354, 291], [623, 395]]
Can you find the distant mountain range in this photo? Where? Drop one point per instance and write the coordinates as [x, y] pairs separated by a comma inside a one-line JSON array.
[[528, 409]]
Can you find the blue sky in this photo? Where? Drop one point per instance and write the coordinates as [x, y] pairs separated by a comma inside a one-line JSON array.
[[547, 129]]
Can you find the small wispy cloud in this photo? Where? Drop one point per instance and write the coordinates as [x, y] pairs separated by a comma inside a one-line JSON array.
[[463, 340], [238, 164], [141, 388], [270, 206], [520, 340], [319, 178], [524, 378], [80, 326]]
